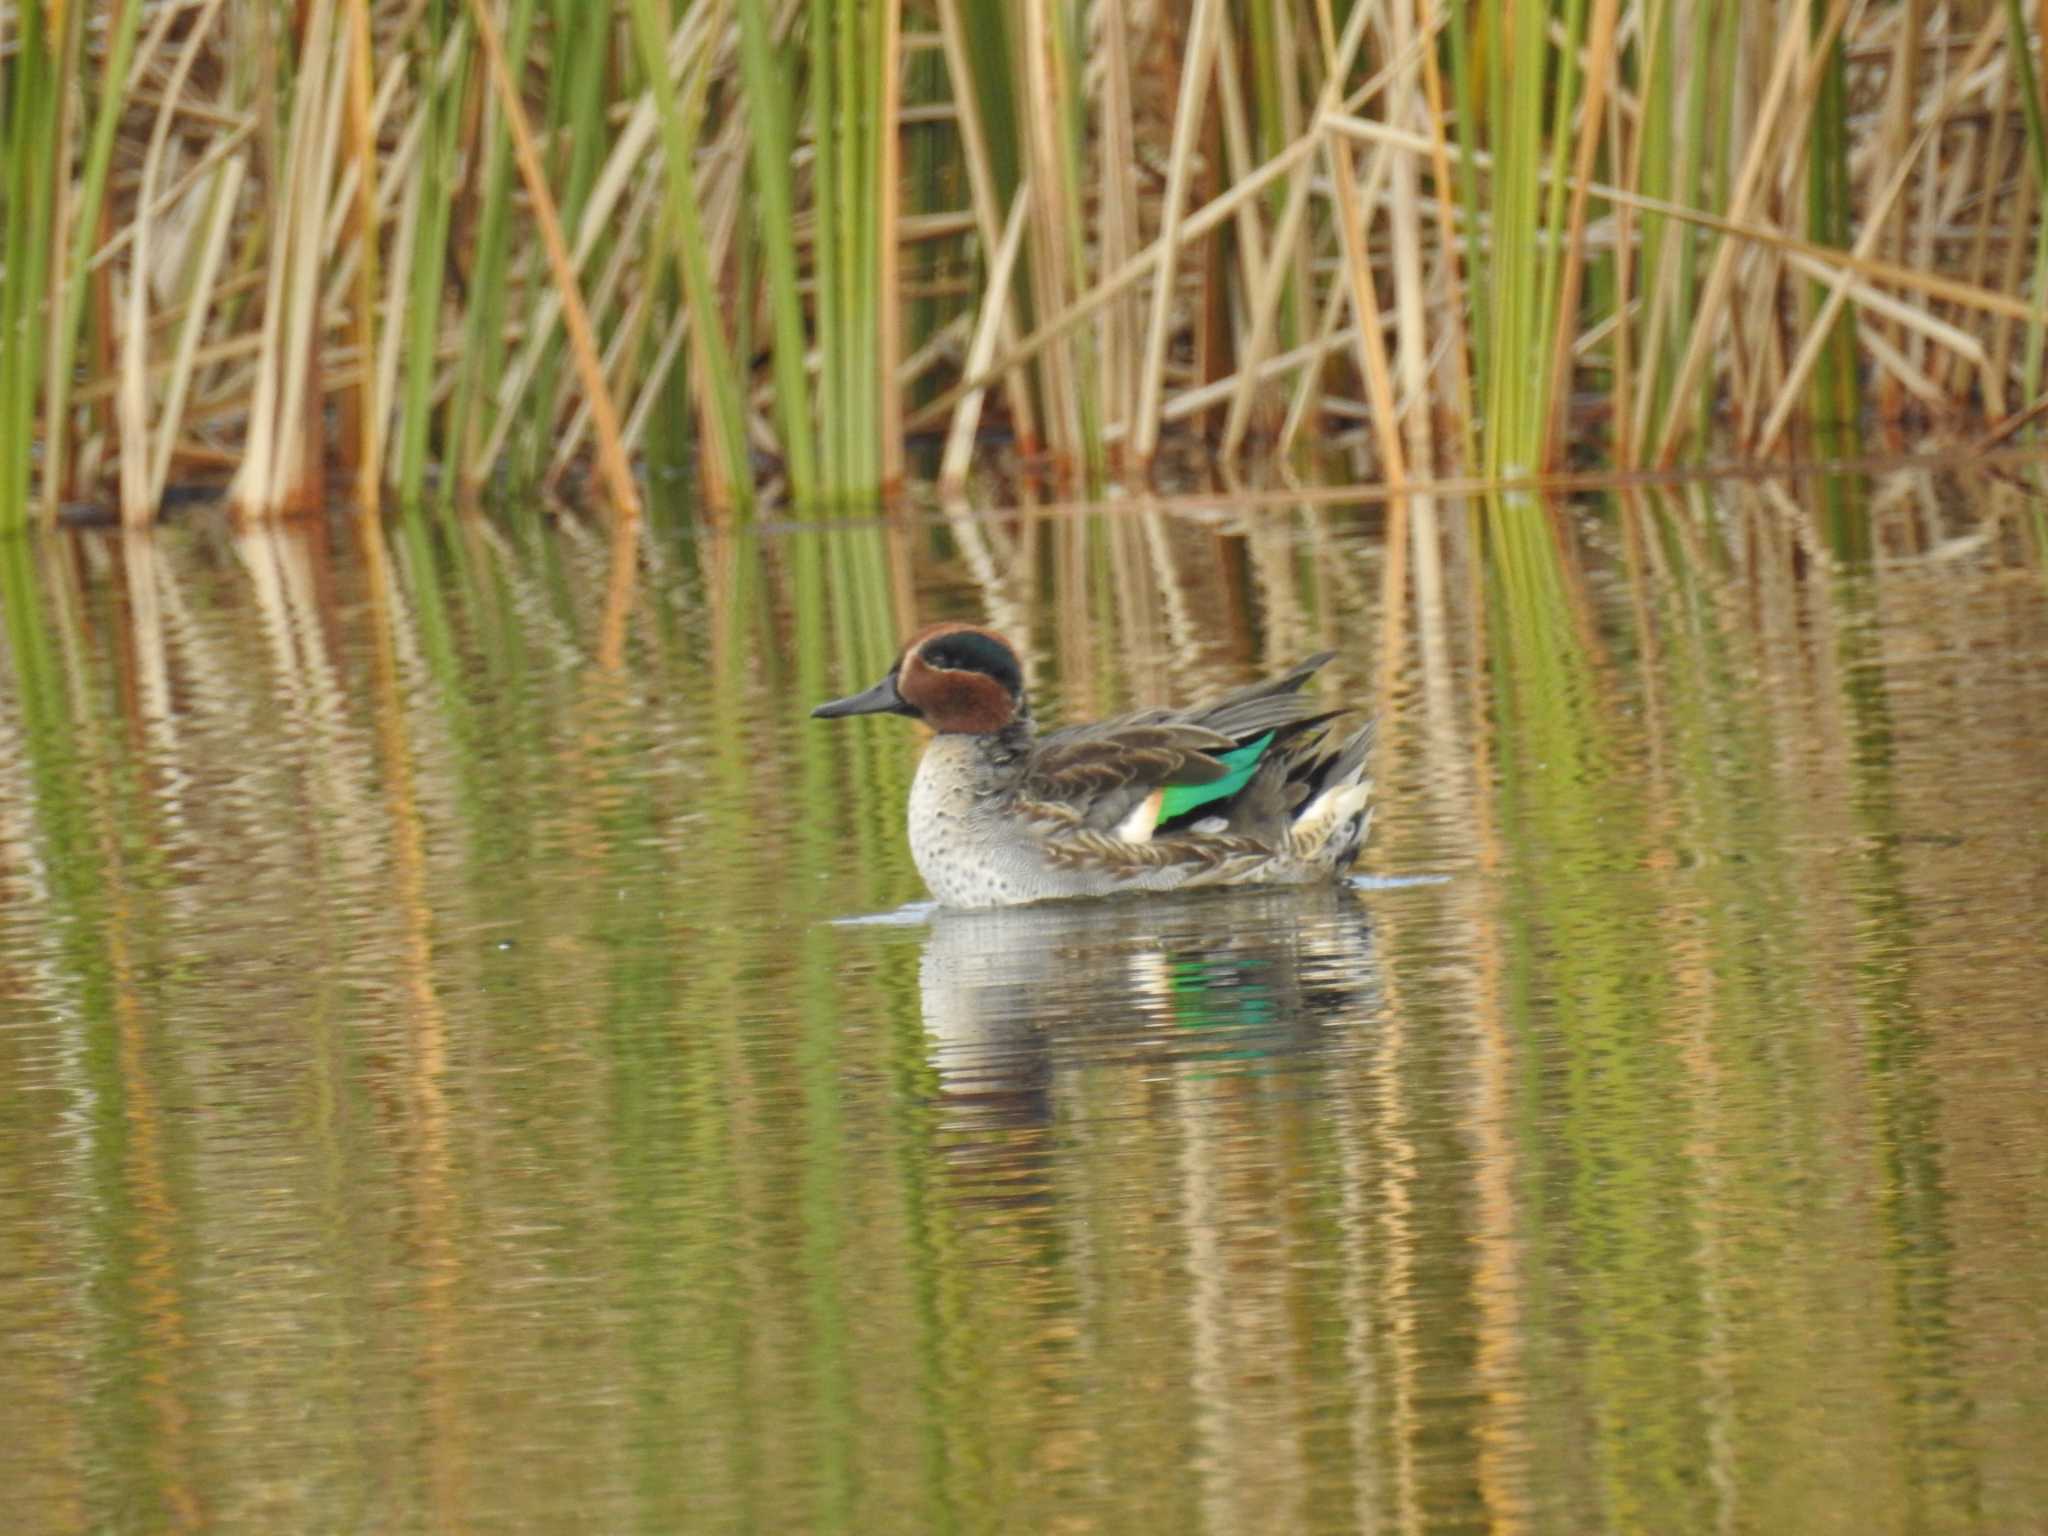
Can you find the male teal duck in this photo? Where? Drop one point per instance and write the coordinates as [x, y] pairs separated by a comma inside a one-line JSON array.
[[1245, 790]]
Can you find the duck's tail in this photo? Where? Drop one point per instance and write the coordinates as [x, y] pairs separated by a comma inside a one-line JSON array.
[[1334, 794]]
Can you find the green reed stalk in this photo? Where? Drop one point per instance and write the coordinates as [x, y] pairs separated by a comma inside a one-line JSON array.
[[577, 105], [992, 89], [935, 180], [29, 111], [85, 219], [1514, 404], [1258, 46], [837, 156], [828, 245], [481, 364], [853, 167], [848, 86], [679, 129], [2030, 366], [1068, 46], [1258, 41], [1717, 35], [1281, 113], [1834, 391], [1462, 44], [2037, 157], [1655, 334], [872, 62], [576, 117], [430, 254], [1564, 105], [838, 160], [770, 109]]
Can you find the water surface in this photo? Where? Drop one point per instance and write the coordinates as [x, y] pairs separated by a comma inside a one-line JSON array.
[[440, 1089]]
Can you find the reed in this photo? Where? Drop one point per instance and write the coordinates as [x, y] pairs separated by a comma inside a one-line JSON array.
[[306, 248], [28, 130], [2020, 49]]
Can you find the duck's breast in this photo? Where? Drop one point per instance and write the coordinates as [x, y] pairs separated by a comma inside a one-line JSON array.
[[971, 847]]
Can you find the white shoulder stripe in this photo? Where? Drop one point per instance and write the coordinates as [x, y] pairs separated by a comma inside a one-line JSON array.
[[1137, 827]]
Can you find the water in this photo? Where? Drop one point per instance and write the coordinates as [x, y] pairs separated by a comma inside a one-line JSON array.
[[441, 1087]]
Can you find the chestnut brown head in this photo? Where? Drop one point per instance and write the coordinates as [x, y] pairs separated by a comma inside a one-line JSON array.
[[954, 677]]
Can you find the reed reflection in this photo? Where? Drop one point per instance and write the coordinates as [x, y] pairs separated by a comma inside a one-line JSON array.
[[425, 1059]]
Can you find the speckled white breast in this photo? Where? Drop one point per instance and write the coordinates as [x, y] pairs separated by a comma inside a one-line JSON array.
[[962, 847], [973, 853]]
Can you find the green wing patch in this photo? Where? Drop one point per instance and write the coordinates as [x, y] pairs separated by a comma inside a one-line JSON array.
[[1178, 799]]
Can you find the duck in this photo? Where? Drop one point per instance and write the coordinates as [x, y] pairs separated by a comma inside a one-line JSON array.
[[1248, 789]]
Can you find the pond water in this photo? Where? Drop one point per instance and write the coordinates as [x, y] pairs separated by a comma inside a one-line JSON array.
[[470, 1057]]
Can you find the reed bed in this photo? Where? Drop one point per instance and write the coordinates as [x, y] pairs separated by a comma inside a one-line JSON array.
[[812, 250]]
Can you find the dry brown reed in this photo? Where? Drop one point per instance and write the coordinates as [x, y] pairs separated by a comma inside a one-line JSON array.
[[1486, 240]]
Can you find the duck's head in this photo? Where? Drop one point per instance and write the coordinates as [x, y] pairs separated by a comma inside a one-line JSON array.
[[953, 677]]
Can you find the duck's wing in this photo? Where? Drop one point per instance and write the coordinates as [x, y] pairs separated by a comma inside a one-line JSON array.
[[1094, 777], [1262, 706], [1122, 776]]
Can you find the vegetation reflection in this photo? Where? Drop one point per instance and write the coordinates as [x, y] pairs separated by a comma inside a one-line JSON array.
[[465, 1035]]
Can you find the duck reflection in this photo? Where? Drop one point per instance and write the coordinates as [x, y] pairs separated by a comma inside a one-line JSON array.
[[1133, 1099], [1233, 981]]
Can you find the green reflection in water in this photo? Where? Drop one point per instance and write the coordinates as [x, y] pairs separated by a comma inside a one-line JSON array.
[[1612, 1185], [1938, 1475]]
